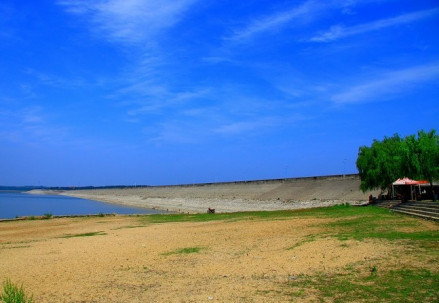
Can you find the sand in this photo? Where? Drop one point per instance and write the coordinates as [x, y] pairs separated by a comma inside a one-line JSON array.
[[236, 196], [243, 261]]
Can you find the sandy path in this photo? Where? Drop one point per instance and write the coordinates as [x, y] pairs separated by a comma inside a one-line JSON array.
[[246, 261]]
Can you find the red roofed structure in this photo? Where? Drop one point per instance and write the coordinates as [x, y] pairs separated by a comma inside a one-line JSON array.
[[406, 188], [407, 181]]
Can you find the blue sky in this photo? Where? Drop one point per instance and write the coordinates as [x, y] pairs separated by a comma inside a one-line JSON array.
[[166, 92]]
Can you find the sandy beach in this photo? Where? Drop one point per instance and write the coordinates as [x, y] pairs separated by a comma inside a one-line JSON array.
[[131, 259], [125, 259], [236, 196]]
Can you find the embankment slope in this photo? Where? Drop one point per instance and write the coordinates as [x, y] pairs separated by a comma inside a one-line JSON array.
[[276, 194]]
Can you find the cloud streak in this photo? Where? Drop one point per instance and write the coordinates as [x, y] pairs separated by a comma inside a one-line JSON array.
[[306, 12], [388, 85], [165, 99], [130, 20], [275, 21], [339, 32]]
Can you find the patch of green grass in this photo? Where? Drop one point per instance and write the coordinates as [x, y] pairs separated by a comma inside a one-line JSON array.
[[307, 239], [339, 211], [373, 225], [432, 236], [164, 218], [343, 211], [91, 234], [186, 250], [401, 285], [14, 294]]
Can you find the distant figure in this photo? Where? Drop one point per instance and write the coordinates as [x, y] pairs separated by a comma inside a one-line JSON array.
[[211, 210]]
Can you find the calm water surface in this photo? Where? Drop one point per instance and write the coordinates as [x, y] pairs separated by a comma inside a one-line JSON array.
[[19, 204]]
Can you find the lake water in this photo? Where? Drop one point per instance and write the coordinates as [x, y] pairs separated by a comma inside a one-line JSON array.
[[19, 204]]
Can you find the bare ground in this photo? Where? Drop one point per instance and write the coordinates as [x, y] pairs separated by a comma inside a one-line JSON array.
[[232, 261]]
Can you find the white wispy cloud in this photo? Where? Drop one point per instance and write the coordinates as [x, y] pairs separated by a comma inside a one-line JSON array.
[[198, 128], [306, 12], [388, 85], [275, 21], [130, 20], [165, 99], [174, 132], [338, 31]]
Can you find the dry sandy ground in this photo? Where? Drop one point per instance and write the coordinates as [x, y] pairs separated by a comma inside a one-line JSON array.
[[238, 261], [239, 196]]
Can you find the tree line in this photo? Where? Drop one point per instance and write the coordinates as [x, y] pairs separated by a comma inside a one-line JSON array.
[[413, 156]]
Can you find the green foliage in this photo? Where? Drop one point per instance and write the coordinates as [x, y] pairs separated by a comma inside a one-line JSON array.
[[380, 164], [428, 155], [395, 157], [371, 285], [13, 294]]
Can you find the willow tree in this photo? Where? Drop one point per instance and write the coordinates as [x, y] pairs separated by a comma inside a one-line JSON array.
[[380, 164], [421, 156], [415, 157]]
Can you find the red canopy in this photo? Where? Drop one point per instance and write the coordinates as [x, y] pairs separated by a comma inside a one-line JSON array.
[[407, 181]]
